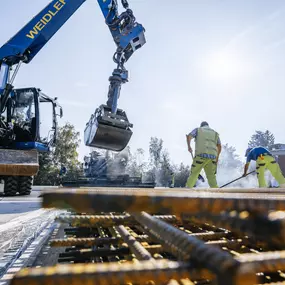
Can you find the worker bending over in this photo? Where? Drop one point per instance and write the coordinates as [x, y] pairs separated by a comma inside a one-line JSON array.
[[264, 160], [207, 150]]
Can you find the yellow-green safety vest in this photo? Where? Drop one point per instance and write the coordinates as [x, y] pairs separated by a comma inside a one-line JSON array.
[[206, 141]]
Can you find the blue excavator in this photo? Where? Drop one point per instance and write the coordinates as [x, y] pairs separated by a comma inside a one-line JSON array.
[[20, 139]]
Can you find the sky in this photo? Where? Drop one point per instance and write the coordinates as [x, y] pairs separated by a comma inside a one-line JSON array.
[[214, 60]]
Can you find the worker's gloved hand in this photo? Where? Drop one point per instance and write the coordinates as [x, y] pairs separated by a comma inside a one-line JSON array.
[[190, 149], [244, 175]]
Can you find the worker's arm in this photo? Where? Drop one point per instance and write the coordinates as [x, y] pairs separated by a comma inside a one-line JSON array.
[[245, 168], [188, 140], [248, 159], [219, 147]]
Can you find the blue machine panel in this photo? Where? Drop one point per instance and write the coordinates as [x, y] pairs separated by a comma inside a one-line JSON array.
[[32, 145]]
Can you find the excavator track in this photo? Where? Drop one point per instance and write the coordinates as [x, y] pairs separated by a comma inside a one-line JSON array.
[[155, 236]]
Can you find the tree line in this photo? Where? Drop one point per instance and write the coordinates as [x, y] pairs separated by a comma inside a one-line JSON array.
[[65, 153], [157, 167]]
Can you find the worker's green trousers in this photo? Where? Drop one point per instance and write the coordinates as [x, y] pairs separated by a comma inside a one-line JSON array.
[[210, 168], [268, 162]]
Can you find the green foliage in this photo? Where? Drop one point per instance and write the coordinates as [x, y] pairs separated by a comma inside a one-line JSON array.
[[64, 154], [264, 139], [48, 172], [65, 151]]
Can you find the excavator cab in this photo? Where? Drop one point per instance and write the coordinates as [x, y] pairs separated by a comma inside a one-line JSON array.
[[107, 130], [30, 109], [20, 139]]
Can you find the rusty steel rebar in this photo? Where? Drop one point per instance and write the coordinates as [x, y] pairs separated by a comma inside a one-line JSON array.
[[186, 247], [139, 238], [230, 244], [113, 225], [94, 220], [181, 244], [268, 228], [87, 254], [139, 251], [163, 202], [224, 233], [274, 283], [180, 282], [106, 220], [159, 271], [83, 241], [209, 235], [271, 261]]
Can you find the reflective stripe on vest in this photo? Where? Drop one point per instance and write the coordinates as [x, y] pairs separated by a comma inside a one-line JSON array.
[[206, 141]]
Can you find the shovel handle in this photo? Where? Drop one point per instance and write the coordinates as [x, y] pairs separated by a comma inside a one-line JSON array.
[[237, 179]]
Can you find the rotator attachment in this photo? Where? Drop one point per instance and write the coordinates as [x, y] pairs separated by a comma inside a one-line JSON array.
[[127, 33], [109, 127], [118, 77]]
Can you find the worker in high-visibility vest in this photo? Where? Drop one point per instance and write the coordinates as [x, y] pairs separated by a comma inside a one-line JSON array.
[[207, 150], [264, 160]]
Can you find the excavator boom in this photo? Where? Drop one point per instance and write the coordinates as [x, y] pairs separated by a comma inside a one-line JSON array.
[[27, 42], [110, 130]]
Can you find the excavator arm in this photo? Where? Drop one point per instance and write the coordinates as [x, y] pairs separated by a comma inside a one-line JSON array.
[[24, 46], [109, 127]]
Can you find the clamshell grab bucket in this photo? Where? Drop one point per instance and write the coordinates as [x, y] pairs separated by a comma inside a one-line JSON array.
[[107, 130]]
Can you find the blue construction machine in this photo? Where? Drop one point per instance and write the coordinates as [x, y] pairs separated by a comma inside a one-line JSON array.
[[20, 140]]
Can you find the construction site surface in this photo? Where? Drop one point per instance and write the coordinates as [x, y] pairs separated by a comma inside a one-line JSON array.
[[157, 236]]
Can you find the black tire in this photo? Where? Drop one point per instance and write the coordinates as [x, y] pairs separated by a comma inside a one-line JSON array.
[[11, 186], [25, 185]]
